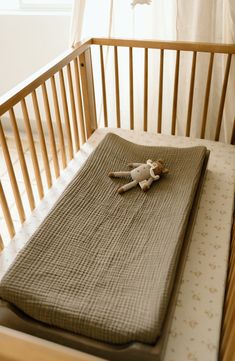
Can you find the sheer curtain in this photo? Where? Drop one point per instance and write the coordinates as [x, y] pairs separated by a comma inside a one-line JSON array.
[[189, 20], [208, 21]]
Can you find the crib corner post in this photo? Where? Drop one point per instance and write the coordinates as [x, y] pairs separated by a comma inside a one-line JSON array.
[[88, 91]]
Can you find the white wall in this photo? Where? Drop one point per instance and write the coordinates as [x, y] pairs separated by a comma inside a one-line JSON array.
[[28, 42]]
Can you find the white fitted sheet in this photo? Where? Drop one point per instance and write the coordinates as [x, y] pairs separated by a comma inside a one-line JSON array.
[[195, 329]]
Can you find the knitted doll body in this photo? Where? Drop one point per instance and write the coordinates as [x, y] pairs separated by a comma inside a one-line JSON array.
[[143, 174]]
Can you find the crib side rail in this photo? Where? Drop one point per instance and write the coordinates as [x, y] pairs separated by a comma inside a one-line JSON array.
[[47, 117], [167, 45], [213, 99], [227, 347], [18, 346]]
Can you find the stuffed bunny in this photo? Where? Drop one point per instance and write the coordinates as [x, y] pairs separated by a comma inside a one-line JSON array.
[[143, 174]]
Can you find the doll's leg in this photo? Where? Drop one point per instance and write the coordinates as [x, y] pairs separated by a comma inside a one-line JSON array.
[[119, 174], [147, 185], [127, 186]]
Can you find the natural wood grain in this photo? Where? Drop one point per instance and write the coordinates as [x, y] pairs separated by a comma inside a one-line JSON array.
[[207, 95], [88, 92], [12, 176], [73, 108], [41, 139], [103, 86], [66, 114], [232, 140], [167, 45], [79, 101], [85, 96], [222, 99], [1, 243], [131, 88], [117, 86], [159, 122], [22, 161], [50, 131], [146, 89], [18, 346], [6, 213], [90, 88], [227, 345], [32, 149], [191, 93], [175, 96], [58, 122]]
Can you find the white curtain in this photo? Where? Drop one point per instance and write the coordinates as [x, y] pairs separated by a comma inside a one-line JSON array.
[[208, 21], [187, 20]]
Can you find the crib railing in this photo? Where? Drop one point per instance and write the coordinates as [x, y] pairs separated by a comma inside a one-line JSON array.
[[212, 51], [61, 88], [58, 108]]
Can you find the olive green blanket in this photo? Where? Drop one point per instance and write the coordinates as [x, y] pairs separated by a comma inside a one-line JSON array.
[[102, 264]]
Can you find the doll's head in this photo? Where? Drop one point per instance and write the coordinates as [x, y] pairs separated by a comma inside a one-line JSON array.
[[159, 167]]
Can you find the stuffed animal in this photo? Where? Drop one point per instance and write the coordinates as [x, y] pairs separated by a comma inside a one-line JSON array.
[[143, 174]]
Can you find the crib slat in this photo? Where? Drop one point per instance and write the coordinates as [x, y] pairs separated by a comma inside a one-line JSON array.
[[32, 149], [175, 97], [50, 130], [73, 108], [41, 139], [22, 159], [229, 300], [117, 86], [6, 212], [1, 244], [225, 349], [159, 126], [131, 88], [79, 101], [228, 331], [222, 99], [229, 350], [207, 95], [91, 88], [232, 140], [66, 113], [12, 176], [145, 89], [58, 122], [88, 91], [191, 93], [103, 86]]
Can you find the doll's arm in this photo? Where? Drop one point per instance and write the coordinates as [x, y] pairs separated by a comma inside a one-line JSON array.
[[134, 165]]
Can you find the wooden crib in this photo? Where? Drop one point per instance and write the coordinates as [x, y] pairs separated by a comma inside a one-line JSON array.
[[68, 83]]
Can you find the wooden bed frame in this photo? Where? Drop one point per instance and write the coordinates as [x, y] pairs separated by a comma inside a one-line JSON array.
[[74, 74]]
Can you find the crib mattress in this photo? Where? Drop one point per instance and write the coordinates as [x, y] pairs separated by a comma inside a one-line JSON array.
[[102, 265], [192, 333]]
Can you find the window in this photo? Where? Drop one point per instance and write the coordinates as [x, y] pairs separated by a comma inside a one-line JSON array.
[[36, 5], [9, 4], [45, 4]]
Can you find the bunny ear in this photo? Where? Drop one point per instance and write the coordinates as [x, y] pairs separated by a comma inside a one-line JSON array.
[[160, 161], [165, 171]]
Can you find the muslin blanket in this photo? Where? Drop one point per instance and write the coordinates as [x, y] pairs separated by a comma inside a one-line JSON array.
[[101, 264]]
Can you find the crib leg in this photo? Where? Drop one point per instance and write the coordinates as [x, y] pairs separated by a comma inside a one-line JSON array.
[[127, 186], [119, 174]]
